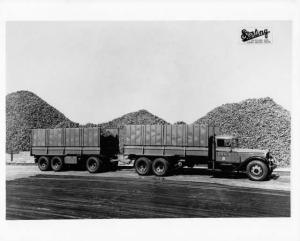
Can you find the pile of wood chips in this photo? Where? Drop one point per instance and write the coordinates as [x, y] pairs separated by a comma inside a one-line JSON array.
[[26, 111], [141, 117], [259, 123]]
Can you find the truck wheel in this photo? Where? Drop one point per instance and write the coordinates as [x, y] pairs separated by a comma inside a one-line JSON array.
[[44, 163], [257, 170], [143, 166], [160, 166], [57, 164], [94, 164]]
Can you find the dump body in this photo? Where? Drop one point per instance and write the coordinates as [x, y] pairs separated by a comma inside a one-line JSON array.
[[69, 141], [169, 140], [161, 148], [73, 142]]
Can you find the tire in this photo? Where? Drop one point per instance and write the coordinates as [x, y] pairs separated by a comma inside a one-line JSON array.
[[44, 163], [257, 170], [57, 163], [94, 164], [160, 167], [143, 166]]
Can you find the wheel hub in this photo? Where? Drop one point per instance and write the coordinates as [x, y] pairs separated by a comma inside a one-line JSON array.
[[159, 168], [93, 165], [142, 167], [57, 163], [256, 170]]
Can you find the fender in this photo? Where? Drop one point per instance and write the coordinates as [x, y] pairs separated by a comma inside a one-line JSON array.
[[249, 159]]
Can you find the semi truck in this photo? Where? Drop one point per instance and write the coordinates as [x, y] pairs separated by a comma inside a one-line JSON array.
[[157, 149]]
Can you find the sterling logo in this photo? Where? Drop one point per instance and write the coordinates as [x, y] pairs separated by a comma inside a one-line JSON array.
[[256, 36]]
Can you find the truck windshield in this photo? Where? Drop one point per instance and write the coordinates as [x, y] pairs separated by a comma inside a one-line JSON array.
[[223, 142]]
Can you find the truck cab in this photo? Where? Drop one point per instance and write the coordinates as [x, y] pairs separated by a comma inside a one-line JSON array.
[[257, 163]]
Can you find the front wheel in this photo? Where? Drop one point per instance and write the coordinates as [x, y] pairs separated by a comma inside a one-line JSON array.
[[257, 170]]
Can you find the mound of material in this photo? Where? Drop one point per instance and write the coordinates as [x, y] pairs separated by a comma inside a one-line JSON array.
[[67, 124], [141, 117], [259, 123], [179, 123], [24, 111]]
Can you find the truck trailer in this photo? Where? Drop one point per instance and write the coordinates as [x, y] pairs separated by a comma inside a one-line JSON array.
[[157, 149], [92, 147]]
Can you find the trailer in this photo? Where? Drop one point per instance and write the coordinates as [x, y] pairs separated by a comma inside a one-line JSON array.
[[56, 148], [159, 149]]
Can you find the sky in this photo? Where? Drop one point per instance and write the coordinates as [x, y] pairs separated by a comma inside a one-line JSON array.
[[177, 70]]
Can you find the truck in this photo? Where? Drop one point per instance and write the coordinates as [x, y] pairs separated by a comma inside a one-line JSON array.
[[157, 149]]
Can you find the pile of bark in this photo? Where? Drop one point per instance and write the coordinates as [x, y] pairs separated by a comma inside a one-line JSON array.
[[67, 124], [25, 111], [259, 123], [180, 123], [141, 117]]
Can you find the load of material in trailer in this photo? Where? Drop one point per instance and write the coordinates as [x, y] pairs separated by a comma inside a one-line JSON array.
[[169, 135], [161, 148], [167, 140], [72, 141]]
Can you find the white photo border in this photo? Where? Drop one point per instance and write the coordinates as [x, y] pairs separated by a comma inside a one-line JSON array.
[[156, 229]]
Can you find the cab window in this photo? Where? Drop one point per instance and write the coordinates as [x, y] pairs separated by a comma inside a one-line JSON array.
[[223, 143], [235, 143]]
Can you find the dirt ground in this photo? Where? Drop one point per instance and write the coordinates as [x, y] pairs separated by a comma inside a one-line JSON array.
[[73, 194], [280, 180]]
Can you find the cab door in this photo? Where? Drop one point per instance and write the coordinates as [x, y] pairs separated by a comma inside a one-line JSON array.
[[224, 153]]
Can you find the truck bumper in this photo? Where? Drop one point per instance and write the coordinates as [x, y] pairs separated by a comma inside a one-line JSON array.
[[272, 164]]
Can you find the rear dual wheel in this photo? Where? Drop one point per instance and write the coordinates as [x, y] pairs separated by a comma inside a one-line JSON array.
[[57, 163], [45, 164], [144, 166], [160, 167], [94, 164]]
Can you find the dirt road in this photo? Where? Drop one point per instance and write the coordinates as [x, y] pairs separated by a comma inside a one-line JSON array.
[[122, 194], [279, 181]]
